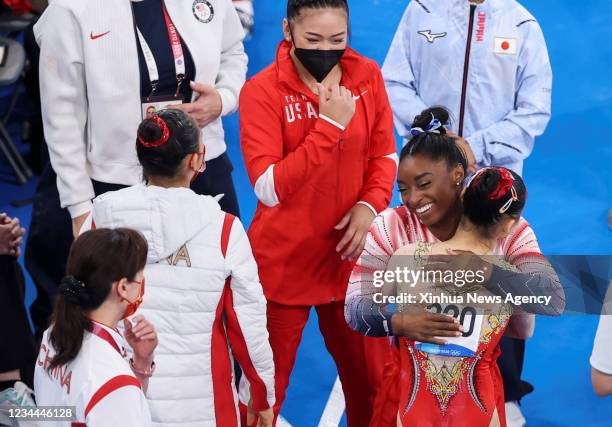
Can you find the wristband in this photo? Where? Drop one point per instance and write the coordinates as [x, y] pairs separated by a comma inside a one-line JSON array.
[[148, 373]]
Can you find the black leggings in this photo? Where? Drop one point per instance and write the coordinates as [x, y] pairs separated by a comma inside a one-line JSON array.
[[16, 340], [511, 366]]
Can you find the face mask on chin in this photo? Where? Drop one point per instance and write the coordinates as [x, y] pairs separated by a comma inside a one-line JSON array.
[[319, 63], [133, 305]]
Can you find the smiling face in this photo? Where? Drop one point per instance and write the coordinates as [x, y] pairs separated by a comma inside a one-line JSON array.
[[429, 188]]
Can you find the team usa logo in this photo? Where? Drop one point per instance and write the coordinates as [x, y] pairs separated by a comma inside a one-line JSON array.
[[299, 107], [203, 11]]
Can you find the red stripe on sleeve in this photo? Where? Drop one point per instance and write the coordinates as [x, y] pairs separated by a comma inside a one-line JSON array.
[[225, 232], [241, 353], [221, 367], [111, 385], [221, 371]]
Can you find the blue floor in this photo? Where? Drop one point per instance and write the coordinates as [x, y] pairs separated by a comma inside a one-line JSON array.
[[569, 177]]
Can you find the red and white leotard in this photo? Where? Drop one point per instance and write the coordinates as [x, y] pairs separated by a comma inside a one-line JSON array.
[[391, 230]]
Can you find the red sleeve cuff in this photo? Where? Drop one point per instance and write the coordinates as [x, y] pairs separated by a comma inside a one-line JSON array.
[[331, 131], [379, 204], [260, 402]]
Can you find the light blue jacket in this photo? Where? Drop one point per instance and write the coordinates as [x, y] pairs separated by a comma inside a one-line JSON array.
[[509, 80]]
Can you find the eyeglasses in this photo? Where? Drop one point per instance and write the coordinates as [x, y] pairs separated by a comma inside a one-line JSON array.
[[203, 165]]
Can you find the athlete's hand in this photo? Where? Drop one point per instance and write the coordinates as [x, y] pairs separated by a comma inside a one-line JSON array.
[[358, 219], [459, 260], [143, 340], [337, 103], [77, 224], [11, 236], [207, 106], [425, 326], [264, 418]]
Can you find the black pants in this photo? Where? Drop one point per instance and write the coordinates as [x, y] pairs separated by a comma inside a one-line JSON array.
[[38, 148], [511, 366], [16, 340], [48, 245], [50, 234]]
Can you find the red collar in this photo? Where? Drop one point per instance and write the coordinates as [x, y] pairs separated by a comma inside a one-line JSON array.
[[100, 331]]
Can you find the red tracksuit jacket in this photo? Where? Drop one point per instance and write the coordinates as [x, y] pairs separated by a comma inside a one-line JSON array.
[[319, 173]]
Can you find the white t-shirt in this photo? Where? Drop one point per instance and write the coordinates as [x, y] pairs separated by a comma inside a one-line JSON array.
[[98, 383]]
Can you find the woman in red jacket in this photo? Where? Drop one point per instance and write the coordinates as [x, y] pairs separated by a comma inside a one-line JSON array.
[[317, 138]]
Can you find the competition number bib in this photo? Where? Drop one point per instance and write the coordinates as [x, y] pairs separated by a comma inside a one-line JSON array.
[[464, 345]]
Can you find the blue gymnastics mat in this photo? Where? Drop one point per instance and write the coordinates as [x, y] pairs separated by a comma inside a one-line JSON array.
[[569, 177]]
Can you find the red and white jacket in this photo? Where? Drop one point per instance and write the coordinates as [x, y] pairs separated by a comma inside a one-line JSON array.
[[308, 173], [98, 383], [202, 290]]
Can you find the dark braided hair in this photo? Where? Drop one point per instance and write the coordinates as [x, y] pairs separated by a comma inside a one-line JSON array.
[[164, 160], [435, 146], [295, 6]]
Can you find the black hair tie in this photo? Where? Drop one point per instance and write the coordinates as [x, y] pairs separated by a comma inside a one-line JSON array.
[[74, 291]]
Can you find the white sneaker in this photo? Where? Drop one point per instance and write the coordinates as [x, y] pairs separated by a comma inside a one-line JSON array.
[[514, 416]]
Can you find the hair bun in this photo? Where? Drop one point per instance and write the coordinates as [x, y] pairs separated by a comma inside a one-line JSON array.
[[487, 182], [427, 116], [153, 132], [74, 291]]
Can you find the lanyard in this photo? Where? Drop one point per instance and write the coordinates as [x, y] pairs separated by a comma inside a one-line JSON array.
[[102, 333], [177, 53]]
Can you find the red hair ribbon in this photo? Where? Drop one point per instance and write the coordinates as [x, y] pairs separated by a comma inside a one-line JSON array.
[[506, 182], [165, 136]]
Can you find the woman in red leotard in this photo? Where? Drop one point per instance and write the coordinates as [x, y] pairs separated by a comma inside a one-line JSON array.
[[459, 383], [430, 174]]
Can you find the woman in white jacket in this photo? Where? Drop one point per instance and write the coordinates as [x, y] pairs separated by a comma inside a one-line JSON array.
[[103, 65], [202, 283]]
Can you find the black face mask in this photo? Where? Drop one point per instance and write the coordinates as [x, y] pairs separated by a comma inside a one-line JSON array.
[[319, 63]]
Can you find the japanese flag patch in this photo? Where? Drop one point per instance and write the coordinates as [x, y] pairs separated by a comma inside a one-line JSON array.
[[505, 46]]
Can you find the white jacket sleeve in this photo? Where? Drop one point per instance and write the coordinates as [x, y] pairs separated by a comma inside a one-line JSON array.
[[123, 407], [233, 67], [512, 138], [245, 314], [399, 77], [64, 105]]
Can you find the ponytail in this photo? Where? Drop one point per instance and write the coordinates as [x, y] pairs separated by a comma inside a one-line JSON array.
[[69, 321], [97, 259]]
